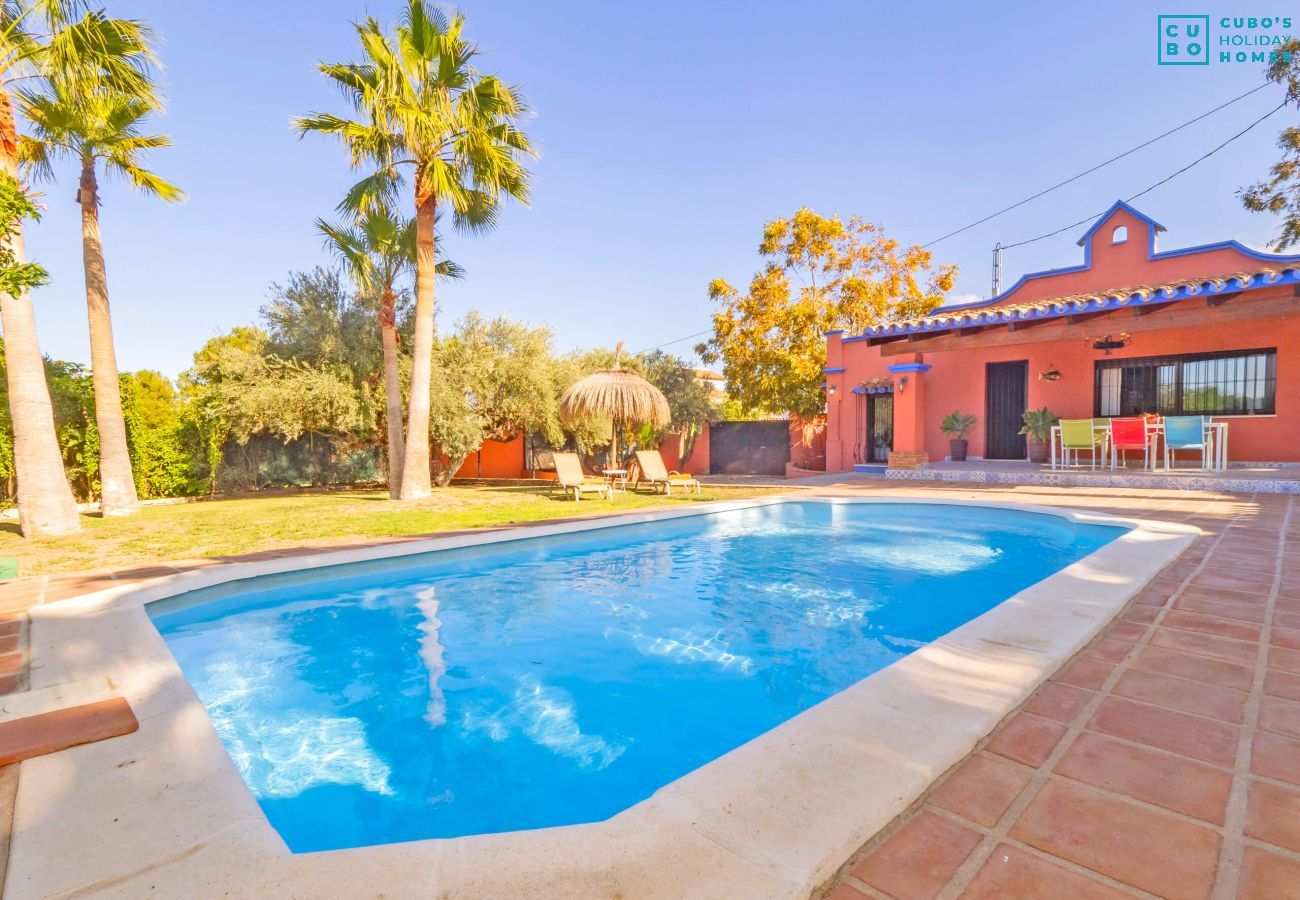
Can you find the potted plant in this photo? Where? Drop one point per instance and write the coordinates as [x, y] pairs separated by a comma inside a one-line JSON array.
[[957, 425], [1038, 431]]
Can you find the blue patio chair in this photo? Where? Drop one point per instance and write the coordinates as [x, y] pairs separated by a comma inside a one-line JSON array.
[[1186, 433]]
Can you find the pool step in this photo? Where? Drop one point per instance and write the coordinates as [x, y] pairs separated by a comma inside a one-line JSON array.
[[870, 468]]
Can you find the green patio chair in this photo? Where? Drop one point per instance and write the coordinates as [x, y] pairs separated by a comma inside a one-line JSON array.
[[1081, 434]]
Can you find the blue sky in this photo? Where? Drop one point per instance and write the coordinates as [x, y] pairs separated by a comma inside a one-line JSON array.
[[669, 133]]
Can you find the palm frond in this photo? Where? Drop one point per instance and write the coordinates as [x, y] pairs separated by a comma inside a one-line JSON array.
[[378, 190], [35, 158], [446, 268], [115, 53], [348, 245], [142, 179]]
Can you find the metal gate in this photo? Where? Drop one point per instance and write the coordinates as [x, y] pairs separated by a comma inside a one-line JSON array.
[[880, 427], [1006, 392], [749, 448]]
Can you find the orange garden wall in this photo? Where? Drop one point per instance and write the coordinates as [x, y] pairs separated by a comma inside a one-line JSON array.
[[808, 443], [1267, 317], [698, 464], [498, 459], [506, 459]]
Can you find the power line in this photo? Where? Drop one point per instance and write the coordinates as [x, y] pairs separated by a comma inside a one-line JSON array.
[[1162, 181], [1074, 178], [674, 341], [1096, 167]]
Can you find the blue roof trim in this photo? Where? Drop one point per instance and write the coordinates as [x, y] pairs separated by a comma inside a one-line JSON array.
[[1115, 207], [1152, 254], [911, 367], [832, 331], [835, 371], [1100, 303]]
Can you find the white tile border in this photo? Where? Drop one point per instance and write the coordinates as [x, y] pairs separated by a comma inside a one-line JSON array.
[[163, 810]]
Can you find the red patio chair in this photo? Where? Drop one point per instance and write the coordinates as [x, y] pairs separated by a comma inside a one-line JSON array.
[[1131, 434]]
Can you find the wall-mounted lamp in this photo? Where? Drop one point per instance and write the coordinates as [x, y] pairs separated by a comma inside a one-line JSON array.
[[1109, 343], [1052, 374], [830, 390], [902, 383]]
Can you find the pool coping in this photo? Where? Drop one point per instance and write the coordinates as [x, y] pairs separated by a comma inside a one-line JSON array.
[[165, 810]]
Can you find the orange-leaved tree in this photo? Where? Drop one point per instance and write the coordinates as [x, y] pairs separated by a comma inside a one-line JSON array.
[[820, 273]]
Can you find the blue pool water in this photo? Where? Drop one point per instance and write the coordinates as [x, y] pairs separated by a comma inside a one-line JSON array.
[[562, 679]]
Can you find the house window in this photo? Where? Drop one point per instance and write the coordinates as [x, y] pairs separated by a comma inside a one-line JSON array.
[[1231, 383], [1119, 235]]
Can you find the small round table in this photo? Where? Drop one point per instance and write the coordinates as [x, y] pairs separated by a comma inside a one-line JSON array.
[[617, 479]]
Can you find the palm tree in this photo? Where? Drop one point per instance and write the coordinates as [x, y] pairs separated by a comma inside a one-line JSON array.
[[377, 251], [92, 122], [38, 37], [421, 104]]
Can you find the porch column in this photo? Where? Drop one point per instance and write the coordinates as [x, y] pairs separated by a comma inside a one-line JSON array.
[[835, 431], [909, 414]]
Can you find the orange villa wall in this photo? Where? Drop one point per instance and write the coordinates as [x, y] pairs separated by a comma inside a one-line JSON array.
[[1264, 318], [956, 381], [1127, 265]]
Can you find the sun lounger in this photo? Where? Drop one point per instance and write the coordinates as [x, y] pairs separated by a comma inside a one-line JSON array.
[[653, 471], [569, 475]]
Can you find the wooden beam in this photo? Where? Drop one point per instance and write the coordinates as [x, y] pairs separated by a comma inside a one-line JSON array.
[[1022, 324], [1154, 308], [886, 339]]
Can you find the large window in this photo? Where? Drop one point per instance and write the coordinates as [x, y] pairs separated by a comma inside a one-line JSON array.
[[1232, 383]]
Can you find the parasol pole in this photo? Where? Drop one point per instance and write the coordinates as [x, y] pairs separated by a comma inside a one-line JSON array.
[[613, 422]]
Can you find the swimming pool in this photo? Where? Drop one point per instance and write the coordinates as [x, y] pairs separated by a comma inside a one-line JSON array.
[[559, 680]]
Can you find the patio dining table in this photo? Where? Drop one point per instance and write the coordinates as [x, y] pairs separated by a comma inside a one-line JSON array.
[[1217, 434]]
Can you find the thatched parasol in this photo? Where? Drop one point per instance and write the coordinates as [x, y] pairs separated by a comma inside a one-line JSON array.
[[617, 394]]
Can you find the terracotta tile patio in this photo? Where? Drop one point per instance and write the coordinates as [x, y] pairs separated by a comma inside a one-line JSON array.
[[1163, 760]]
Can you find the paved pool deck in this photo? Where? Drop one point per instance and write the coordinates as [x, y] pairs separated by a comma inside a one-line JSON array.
[[1163, 760]]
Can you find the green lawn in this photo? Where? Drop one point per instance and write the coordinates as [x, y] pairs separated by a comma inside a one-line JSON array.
[[220, 527]]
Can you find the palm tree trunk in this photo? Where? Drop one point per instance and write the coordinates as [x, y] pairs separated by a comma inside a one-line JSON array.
[[392, 391], [45, 504], [415, 466], [117, 486]]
